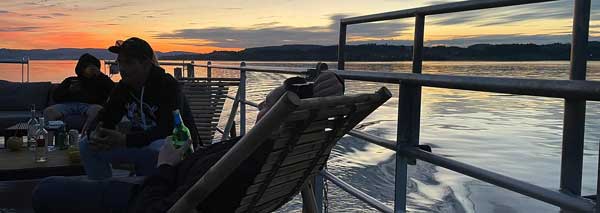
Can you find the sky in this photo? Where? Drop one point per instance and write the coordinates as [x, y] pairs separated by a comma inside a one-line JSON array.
[[205, 26]]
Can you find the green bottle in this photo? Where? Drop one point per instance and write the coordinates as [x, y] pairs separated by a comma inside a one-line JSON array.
[[181, 134]]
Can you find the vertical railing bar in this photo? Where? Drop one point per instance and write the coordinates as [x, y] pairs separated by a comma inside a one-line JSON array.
[[318, 190], [574, 112], [342, 47], [27, 68], [208, 71], [242, 88], [598, 185], [22, 72], [232, 113], [409, 119]]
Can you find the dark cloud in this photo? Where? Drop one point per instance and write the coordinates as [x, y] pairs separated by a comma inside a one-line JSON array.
[[58, 14], [503, 39], [19, 29], [118, 5], [268, 24], [3, 11], [45, 17], [268, 34], [513, 14]]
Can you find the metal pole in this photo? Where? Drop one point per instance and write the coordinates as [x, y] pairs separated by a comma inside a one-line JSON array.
[[190, 70], [27, 69], [22, 70], [342, 47], [598, 186], [208, 70], [318, 190], [242, 89], [231, 120], [409, 116], [418, 44], [574, 116]]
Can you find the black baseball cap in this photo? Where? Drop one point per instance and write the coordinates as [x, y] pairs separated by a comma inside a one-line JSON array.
[[134, 47]]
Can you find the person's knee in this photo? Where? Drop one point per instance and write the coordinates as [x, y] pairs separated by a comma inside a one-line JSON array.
[[51, 113], [45, 191], [93, 110], [84, 146]]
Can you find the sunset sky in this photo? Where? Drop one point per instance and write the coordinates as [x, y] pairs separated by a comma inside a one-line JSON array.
[[204, 26]]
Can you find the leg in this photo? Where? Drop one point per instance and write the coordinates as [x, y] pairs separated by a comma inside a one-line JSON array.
[[76, 194], [96, 167], [53, 112], [97, 164], [90, 116]]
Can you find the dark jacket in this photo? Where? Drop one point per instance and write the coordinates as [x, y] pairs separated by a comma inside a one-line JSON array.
[[159, 192], [161, 94], [85, 90]]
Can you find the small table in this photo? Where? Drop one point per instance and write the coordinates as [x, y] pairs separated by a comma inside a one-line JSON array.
[[21, 165]]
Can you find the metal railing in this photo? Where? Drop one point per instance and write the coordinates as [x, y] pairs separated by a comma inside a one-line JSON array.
[[580, 90], [410, 103], [576, 91], [23, 62]]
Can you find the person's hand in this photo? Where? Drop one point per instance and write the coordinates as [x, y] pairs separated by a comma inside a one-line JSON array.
[[106, 139], [75, 86], [169, 155]]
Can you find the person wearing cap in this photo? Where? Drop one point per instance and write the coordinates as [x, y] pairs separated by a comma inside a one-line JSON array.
[[146, 97], [82, 94], [159, 192]]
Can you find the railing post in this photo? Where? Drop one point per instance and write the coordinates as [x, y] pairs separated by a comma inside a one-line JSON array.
[[242, 89], [27, 68], [231, 120], [22, 72], [318, 190], [409, 117], [178, 73], [190, 70], [598, 186], [574, 116], [208, 71], [342, 47]]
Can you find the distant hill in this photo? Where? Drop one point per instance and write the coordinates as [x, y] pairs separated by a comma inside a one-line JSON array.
[[374, 52], [364, 52], [68, 53]]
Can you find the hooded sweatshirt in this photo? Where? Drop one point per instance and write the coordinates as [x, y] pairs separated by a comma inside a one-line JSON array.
[[94, 90], [150, 110]]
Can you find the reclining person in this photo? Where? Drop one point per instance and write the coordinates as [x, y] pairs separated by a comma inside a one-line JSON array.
[[82, 94], [159, 192], [146, 97]]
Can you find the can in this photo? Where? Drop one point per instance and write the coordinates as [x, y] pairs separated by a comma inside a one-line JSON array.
[[74, 138], [60, 139]]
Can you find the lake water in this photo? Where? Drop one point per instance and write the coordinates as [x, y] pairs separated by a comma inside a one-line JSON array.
[[519, 136]]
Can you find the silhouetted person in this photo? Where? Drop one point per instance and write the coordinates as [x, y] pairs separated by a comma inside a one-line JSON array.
[[83, 94]]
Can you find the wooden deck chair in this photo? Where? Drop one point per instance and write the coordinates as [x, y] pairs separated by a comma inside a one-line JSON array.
[[206, 100], [300, 135]]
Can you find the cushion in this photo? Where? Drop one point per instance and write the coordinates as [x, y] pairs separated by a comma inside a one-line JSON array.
[[19, 96]]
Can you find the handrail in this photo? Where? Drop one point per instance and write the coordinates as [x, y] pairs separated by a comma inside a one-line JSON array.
[[24, 61], [438, 9], [585, 90]]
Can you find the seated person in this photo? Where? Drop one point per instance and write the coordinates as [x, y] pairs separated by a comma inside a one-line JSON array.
[[83, 94], [159, 192], [146, 97]]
